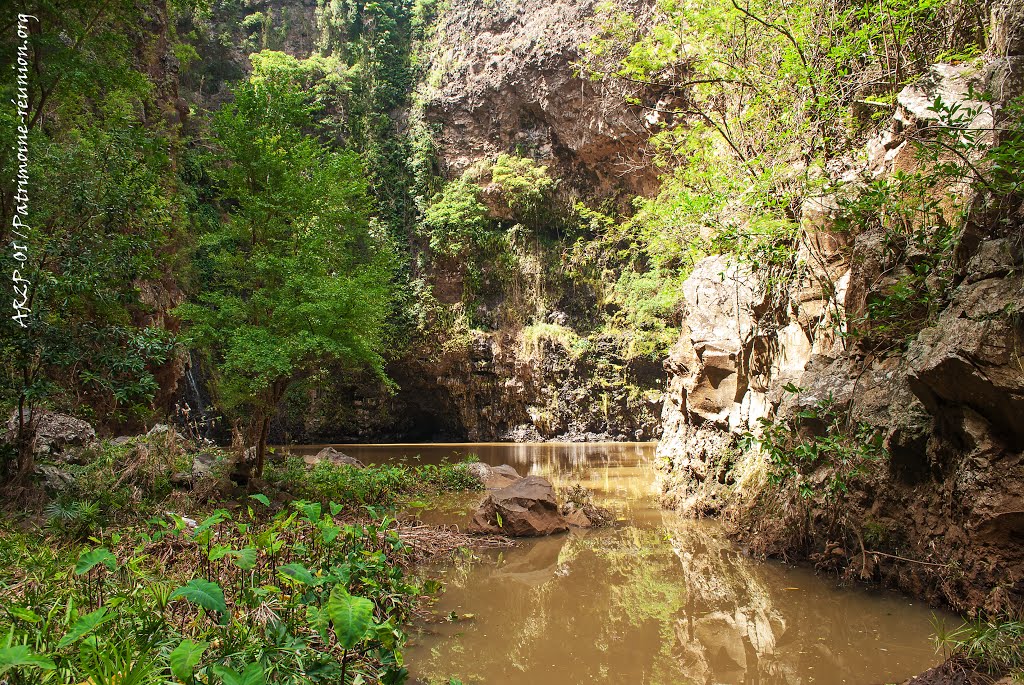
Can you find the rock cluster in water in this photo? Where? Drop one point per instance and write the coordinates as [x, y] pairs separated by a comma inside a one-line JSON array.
[[526, 507]]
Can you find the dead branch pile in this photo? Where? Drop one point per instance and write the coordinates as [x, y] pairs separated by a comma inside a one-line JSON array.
[[428, 543]]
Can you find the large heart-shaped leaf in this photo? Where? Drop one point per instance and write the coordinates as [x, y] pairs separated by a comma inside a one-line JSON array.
[[204, 593], [21, 655], [310, 510], [299, 573], [351, 616], [185, 657], [252, 675], [261, 498], [245, 559], [88, 560], [85, 625], [329, 532]]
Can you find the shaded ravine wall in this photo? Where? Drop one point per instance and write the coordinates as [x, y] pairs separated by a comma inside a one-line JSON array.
[[950, 495]]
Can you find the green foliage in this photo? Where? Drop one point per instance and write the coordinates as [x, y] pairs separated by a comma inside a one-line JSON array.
[[456, 222], [996, 644], [103, 210], [350, 616], [533, 338], [202, 593], [295, 278], [526, 187], [89, 560], [374, 486], [237, 624], [116, 478], [374, 40], [817, 438], [22, 656], [743, 133], [919, 216], [185, 657]]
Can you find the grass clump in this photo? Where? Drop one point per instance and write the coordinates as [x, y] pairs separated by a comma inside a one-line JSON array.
[[533, 338], [374, 486], [995, 644]]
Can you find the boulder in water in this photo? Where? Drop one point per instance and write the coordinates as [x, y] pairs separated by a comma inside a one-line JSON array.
[[493, 477], [526, 508], [506, 471]]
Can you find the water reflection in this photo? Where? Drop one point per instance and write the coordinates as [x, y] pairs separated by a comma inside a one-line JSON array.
[[656, 599]]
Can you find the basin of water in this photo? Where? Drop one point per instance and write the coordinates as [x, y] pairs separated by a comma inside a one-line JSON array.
[[654, 599]]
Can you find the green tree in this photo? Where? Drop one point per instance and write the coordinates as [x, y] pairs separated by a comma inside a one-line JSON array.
[[99, 209], [295, 277]]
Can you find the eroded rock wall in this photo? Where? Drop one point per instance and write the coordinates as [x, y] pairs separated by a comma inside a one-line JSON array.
[[503, 78], [949, 496], [489, 390]]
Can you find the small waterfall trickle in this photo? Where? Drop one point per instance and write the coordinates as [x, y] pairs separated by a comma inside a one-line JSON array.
[[194, 409]]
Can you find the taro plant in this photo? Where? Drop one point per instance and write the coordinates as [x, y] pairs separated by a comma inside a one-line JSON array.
[[247, 597]]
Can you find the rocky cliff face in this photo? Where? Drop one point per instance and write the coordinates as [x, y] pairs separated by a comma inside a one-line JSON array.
[[502, 79], [499, 78], [490, 390], [945, 508]]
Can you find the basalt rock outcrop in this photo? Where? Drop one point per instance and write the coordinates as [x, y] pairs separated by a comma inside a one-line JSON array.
[[57, 435], [503, 77], [486, 390], [526, 508], [948, 405]]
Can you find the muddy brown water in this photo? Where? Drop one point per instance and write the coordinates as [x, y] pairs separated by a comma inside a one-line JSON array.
[[655, 599]]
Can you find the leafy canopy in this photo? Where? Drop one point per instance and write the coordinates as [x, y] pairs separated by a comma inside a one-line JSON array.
[[295, 276]]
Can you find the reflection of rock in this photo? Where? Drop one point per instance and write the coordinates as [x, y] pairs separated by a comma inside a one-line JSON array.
[[335, 457], [732, 623], [526, 508], [577, 518], [537, 565]]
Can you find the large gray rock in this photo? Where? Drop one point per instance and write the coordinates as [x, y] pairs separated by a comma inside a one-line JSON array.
[[56, 433], [335, 457], [163, 430], [972, 357], [493, 477], [527, 508], [952, 84]]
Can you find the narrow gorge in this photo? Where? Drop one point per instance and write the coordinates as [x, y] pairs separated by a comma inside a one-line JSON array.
[[739, 284]]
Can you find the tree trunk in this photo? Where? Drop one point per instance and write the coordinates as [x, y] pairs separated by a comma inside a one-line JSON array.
[[26, 442], [260, 425], [261, 446]]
